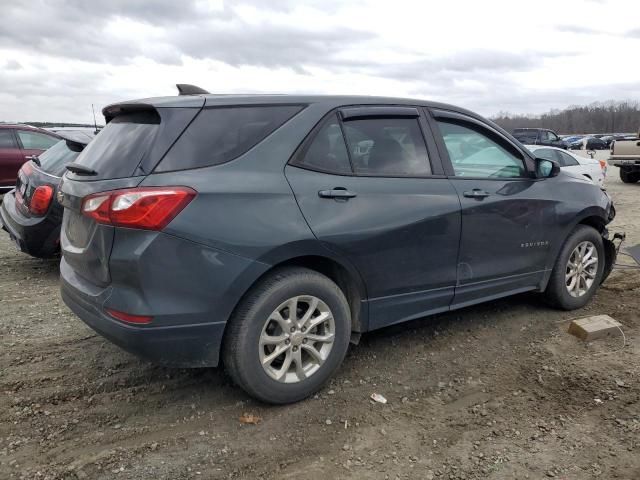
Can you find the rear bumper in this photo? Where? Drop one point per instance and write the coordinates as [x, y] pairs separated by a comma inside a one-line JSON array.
[[178, 346], [36, 236], [190, 291]]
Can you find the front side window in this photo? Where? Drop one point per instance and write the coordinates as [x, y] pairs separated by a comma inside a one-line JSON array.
[[327, 151], [387, 147], [474, 153], [36, 141], [552, 137]]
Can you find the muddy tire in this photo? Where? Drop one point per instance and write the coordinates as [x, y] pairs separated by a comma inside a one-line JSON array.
[[578, 270], [288, 336]]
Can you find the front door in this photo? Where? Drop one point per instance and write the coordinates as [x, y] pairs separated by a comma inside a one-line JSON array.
[[505, 212], [377, 201]]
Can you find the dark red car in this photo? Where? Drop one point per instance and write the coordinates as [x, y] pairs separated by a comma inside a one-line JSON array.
[[18, 143]]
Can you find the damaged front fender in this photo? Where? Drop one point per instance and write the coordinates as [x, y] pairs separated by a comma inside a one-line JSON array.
[[610, 251]]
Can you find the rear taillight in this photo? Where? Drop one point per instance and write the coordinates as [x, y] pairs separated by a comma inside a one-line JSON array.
[[41, 199], [603, 164], [148, 208]]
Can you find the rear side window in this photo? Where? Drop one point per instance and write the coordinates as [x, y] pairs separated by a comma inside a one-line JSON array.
[[120, 146], [6, 139], [219, 135], [327, 152], [53, 161], [35, 141], [387, 147], [548, 154], [567, 160]]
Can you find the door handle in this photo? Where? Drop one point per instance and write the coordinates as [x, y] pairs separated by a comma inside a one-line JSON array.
[[476, 193], [338, 192]]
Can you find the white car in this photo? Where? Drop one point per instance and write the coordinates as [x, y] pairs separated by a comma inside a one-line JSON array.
[[594, 170]]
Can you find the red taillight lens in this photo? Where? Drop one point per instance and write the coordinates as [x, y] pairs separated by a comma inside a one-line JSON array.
[[603, 164], [148, 208], [129, 318], [41, 199]]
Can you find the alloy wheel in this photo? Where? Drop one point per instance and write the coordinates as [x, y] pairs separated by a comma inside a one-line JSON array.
[[296, 339], [582, 269]]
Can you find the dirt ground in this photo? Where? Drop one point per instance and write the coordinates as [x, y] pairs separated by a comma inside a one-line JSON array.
[[494, 391]]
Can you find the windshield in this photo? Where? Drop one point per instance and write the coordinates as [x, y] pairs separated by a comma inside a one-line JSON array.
[[55, 158]]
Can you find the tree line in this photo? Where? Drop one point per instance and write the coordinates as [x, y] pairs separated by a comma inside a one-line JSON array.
[[598, 117]]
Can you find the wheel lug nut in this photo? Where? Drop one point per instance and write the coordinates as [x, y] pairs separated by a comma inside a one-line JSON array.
[[293, 329], [295, 349], [304, 329], [304, 340], [287, 341]]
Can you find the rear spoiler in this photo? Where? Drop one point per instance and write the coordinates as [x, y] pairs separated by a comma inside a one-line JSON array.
[[186, 89]]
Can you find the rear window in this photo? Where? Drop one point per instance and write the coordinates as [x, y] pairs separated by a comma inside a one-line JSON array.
[[54, 160], [120, 146], [219, 135]]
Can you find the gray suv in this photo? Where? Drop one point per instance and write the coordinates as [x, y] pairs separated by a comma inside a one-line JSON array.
[[267, 232]]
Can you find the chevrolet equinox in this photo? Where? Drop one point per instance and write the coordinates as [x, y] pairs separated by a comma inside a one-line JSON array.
[[267, 231]]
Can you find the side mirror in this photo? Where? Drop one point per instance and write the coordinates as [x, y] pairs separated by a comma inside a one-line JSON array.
[[546, 168]]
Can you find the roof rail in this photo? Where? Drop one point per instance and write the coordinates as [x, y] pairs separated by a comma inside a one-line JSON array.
[[186, 89]]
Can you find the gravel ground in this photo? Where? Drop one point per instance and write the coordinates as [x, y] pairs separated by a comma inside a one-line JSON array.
[[494, 391]]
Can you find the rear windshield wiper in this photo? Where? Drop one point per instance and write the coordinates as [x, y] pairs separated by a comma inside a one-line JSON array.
[[36, 160], [80, 169]]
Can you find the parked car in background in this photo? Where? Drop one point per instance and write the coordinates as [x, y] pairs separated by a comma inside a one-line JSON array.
[[593, 170], [269, 229], [625, 154], [31, 214], [587, 143], [538, 136], [17, 144]]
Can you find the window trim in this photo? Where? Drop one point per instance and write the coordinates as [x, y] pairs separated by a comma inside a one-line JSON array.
[[460, 119], [434, 159]]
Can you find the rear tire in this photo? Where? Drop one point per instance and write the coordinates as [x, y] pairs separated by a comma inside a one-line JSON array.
[[629, 177], [313, 345], [575, 277]]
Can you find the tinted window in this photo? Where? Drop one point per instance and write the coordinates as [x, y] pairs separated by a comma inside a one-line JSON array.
[[219, 135], [474, 153], [35, 141], [327, 151], [552, 137], [53, 161], [567, 160], [387, 147], [6, 139], [120, 146]]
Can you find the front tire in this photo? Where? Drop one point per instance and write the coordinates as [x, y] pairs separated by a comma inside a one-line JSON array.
[[578, 270], [288, 336]]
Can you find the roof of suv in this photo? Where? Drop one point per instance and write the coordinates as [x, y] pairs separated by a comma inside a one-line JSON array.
[[262, 99]]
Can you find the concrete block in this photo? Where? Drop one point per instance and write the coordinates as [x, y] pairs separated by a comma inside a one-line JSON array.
[[592, 328]]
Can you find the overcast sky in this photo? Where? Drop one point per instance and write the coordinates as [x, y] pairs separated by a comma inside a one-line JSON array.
[[57, 57]]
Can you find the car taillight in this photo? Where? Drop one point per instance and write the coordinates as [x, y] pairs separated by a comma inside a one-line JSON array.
[[128, 317], [41, 199], [603, 164], [147, 208]]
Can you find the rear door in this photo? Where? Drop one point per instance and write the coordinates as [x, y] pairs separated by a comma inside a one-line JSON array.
[[505, 210], [381, 201], [11, 158], [117, 156], [34, 143]]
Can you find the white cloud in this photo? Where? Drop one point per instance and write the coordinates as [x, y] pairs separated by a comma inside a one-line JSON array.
[[58, 59]]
